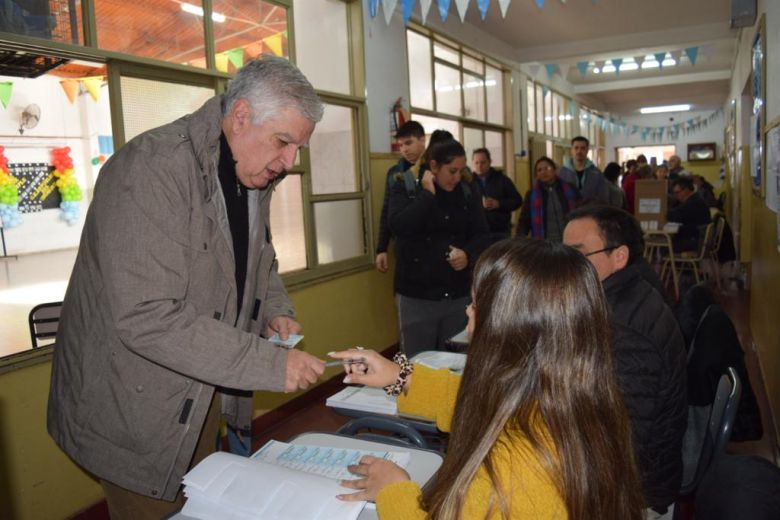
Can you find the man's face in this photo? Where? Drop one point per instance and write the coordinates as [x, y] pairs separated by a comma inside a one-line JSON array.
[[681, 194], [579, 151], [412, 147], [263, 152], [674, 162], [583, 235], [481, 163]]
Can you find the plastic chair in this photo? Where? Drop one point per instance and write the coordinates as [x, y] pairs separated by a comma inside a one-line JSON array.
[[405, 434], [718, 431], [44, 319]]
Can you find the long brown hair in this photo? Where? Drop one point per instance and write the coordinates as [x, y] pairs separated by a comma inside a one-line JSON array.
[[540, 366]]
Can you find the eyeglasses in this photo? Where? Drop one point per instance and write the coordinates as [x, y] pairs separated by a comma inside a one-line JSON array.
[[605, 250]]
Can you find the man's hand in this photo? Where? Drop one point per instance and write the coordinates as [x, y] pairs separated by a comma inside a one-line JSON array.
[[489, 203], [284, 326], [458, 259], [381, 262], [377, 473], [302, 370], [427, 182]]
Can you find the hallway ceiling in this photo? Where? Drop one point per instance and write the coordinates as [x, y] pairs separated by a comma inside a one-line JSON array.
[[599, 30]]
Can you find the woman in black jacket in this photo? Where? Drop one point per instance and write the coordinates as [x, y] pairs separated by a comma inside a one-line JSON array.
[[441, 230]]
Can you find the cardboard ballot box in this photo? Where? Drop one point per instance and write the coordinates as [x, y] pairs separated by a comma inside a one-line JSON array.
[[650, 202]]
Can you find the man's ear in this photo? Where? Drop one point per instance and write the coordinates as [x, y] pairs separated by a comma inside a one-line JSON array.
[[619, 257], [241, 115]]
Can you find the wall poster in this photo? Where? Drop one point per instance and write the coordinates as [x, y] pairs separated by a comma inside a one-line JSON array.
[[758, 112]]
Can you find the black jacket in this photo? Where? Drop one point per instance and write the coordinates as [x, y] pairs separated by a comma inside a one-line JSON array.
[[498, 186], [385, 234], [692, 214], [425, 225], [663, 413]]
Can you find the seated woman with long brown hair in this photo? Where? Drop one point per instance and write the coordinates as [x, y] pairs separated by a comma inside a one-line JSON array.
[[538, 427]]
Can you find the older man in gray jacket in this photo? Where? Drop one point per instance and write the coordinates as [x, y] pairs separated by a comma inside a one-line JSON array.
[[174, 289]]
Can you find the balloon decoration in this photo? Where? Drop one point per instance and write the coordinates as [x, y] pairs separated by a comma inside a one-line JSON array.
[[9, 195], [66, 182]]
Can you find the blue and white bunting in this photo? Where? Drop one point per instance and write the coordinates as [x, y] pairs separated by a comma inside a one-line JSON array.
[[463, 6], [444, 9], [425, 7], [407, 6], [692, 53], [504, 5], [388, 6], [483, 5], [373, 6]]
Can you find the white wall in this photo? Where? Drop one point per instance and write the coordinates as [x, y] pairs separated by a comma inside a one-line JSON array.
[[61, 124], [712, 134]]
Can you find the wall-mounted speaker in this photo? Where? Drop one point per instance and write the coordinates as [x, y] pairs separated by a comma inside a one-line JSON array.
[[743, 13]]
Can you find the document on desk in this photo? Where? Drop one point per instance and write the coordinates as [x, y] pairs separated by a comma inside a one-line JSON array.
[[280, 482], [364, 399], [438, 359]]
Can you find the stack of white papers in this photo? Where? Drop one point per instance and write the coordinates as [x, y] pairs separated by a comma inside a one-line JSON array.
[[364, 399], [438, 359], [280, 482]]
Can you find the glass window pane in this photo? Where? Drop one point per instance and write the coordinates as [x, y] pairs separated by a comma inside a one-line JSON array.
[[494, 90], [548, 113], [332, 153], [494, 141], [254, 26], [539, 109], [287, 224], [554, 114], [339, 227], [472, 139], [57, 21], [473, 97], [322, 43], [167, 31], [419, 52], [447, 86], [567, 118], [531, 102], [473, 64], [434, 123], [445, 53], [171, 101]]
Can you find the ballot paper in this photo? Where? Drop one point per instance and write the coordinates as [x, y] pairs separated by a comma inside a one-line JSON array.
[[290, 342], [438, 359], [280, 482], [365, 399]]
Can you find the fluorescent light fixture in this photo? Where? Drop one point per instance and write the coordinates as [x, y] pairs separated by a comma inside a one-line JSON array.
[[629, 66], [596, 70], [667, 108], [194, 9], [650, 64], [608, 68], [669, 62]]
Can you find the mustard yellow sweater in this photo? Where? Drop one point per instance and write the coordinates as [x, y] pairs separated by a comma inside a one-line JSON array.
[[530, 492]]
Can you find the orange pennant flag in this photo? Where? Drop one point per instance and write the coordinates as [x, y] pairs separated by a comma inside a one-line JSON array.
[[71, 88], [93, 86]]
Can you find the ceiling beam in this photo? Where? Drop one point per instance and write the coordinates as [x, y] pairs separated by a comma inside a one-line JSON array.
[[623, 84], [627, 44]]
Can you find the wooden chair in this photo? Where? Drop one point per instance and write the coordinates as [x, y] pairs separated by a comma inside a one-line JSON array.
[[658, 245], [44, 320], [692, 261]]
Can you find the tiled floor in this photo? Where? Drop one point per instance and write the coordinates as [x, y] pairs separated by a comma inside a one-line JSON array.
[[26, 281]]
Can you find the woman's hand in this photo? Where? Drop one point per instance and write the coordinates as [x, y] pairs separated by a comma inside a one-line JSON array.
[[457, 258], [377, 474], [427, 182], [376, 370]]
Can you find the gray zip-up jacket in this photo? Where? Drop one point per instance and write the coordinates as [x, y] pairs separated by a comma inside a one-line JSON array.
[[149, 325]]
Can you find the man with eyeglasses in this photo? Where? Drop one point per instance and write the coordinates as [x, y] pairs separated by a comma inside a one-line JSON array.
[[692, 212], [650, 356]]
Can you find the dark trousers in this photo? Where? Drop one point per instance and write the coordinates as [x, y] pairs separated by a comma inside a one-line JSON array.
[[127, 505], [428, 324]]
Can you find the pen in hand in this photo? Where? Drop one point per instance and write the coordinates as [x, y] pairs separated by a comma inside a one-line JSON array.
[[352, 361]]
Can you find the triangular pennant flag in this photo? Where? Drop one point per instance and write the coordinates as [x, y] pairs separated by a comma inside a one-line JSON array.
[[692, 53], [534, 70], [573, 109], [639, 60], [582, 66], [564, 69], [675, 55], [483, 5], [425, 6], [659, 57], [504, 5], [634, 129], [444, 9], [661, 134], [599, 65], [222, 61], [71, 88], [373, 5], [406, 9], [551, 68], [545, 90], [6, 87], [707, 50], [388, 6], [540, 3], [274, 43], [93, 86], [617, 62], [463, 6], [236, 56]]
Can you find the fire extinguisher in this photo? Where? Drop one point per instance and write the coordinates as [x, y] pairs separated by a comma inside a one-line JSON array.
[[398, 116]]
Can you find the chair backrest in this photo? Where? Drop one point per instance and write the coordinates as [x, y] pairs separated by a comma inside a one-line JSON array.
[[705, 241], [718, 431], [717, 234], [404, 434], [44, 320]]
